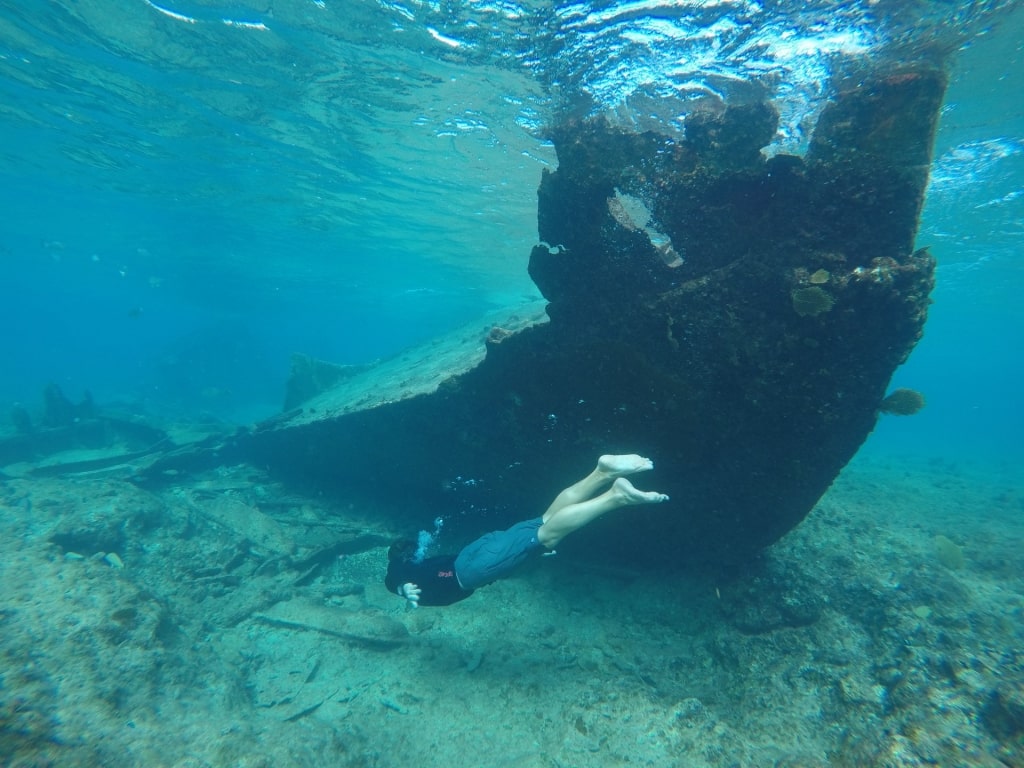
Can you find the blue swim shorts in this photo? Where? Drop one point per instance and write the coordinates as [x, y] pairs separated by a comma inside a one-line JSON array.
[[495, 555]]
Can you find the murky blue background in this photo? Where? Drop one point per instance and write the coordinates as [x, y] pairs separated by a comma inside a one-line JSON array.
[[192, 191]]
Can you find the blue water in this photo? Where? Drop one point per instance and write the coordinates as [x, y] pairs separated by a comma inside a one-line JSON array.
[[192, 191]]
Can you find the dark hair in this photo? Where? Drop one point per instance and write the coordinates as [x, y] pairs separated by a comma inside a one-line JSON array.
[[403, 549]]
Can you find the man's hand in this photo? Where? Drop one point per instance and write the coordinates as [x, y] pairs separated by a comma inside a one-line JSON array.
[[411, 593]]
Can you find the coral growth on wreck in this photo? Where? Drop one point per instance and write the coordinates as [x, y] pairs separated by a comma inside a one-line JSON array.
[[811, 301]]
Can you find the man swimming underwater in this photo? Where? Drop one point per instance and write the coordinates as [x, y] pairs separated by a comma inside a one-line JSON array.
[[446, 579]]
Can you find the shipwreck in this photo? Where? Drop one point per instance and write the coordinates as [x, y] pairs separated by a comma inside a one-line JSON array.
[[736, 316]]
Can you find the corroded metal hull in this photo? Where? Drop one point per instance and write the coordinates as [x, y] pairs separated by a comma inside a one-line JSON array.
[[737, 318]]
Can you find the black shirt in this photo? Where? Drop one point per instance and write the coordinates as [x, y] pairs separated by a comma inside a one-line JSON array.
[[435, 576]]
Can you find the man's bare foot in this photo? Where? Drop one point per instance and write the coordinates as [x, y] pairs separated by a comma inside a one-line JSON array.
[[620, 466], [625, 491]]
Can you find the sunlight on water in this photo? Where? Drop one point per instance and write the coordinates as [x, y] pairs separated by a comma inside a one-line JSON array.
[[360, 151], [351, 116]]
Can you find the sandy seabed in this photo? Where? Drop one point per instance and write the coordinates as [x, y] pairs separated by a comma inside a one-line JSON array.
[[229, 621]]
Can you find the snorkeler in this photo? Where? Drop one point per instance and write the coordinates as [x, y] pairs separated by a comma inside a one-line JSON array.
[[446, 579]]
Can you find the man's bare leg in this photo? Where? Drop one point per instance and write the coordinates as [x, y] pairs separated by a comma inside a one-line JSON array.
[[608, 469], [572, 517]]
